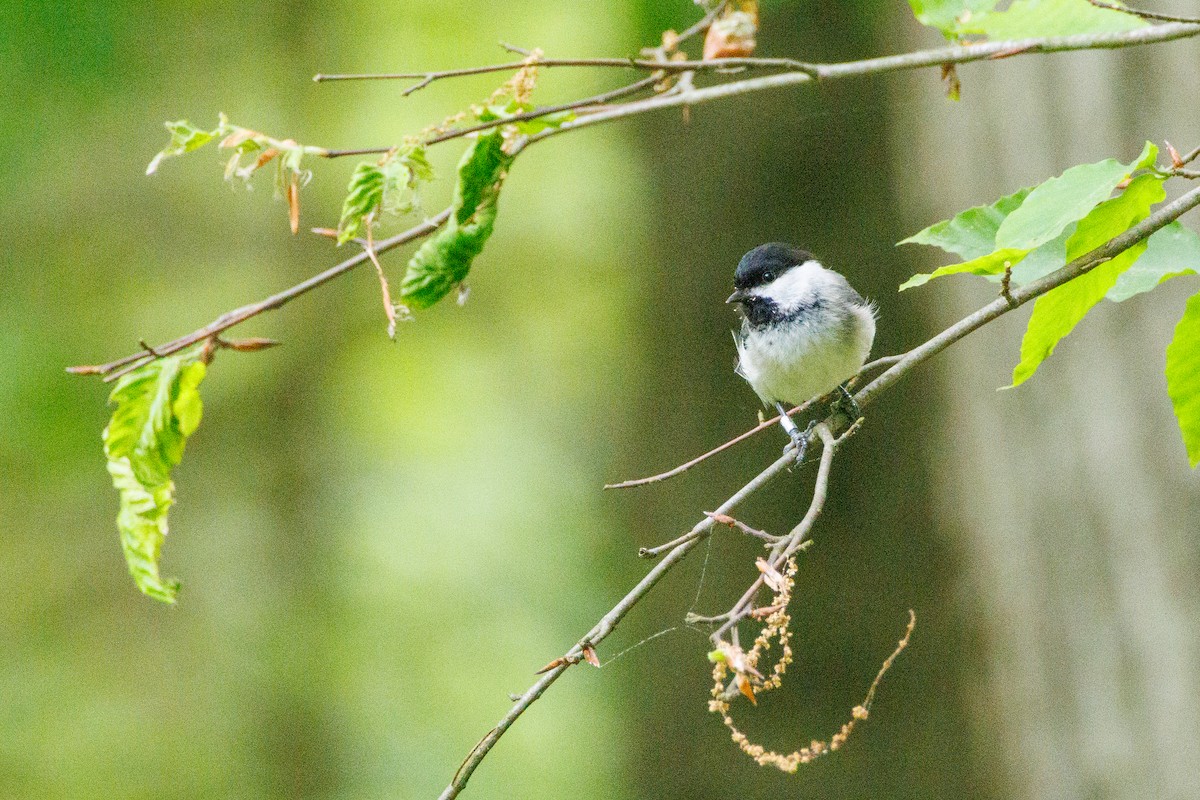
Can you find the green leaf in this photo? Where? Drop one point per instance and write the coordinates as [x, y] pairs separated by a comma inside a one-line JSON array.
[[991, 264], [1056, 313], [1058, 202], [1183, 377], [944, 14], [389, 185], [1026, 19], [185, 138], [970, 234], [443, 261], [157, 407], [1171, 251]]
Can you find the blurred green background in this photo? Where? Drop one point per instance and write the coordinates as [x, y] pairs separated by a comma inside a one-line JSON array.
[[378, 542]]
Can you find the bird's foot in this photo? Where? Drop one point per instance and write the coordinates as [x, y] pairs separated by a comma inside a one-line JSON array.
[[799, 443]]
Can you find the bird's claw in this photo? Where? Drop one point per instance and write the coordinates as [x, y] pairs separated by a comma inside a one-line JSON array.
[[799, 441]]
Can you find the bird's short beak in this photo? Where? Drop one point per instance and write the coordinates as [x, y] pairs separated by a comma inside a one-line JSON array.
[[738, 296]]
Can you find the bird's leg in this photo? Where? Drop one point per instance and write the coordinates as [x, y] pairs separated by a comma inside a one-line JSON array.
[[799, 438], [846, 404]]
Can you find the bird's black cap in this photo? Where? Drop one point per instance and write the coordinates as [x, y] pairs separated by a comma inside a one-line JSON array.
[[767, 262]]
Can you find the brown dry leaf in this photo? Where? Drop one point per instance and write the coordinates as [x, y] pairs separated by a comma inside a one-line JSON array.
[[1124, 183], [329, 233], [1176, 159], [249, 344], [237, 137], [765, 611], [731, 36], [561, 661], [953, 84], [589, 655], [744, 686], [771, 576], [264, 158], [293, 198], [86, 369], [722, 519]]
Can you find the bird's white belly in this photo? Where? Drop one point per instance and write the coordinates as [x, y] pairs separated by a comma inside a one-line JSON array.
[[794, 363]]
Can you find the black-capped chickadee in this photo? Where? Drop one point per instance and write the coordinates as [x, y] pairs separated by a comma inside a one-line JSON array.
[[804, 329]]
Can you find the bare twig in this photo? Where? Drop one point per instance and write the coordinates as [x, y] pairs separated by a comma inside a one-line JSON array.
[[1137, 12], [725, 519], [879, 363], [653, 65], [671, 473]]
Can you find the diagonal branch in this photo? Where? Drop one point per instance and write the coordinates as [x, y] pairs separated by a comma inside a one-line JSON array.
[[115, 369]]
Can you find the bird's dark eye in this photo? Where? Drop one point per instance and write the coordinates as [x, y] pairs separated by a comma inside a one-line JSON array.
[[768, 276]]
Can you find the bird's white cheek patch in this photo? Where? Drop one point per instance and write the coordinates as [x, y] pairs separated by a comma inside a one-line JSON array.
[[794, 288]]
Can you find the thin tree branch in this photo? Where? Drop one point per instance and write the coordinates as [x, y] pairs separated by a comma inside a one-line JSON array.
[[1137, 12], [962, 54], [115, 369], [671, 473], [885, 361], [782, 550], [605, 626], [717, 64], [798, 535]]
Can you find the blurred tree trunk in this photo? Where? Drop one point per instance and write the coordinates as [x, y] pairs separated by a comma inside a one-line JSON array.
[[1069, 499]]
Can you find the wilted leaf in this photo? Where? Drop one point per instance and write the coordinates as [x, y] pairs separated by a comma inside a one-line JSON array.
[[771, 576], [386, 186], [589, 655], [443, 261], [1183, 377], [158, 407], [1056, 313]]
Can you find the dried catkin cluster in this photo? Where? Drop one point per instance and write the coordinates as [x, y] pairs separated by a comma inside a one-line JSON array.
[[750, 681]]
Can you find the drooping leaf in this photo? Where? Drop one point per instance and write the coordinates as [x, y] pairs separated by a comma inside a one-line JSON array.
[[1056, 313], [185, 138], [945, 14], [157, 407], [1183, 377], [444, 260], [1058, 202], [1171, 251], [1025, 19]]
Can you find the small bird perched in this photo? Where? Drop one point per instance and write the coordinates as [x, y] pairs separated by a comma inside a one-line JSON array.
[[804, 329]]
